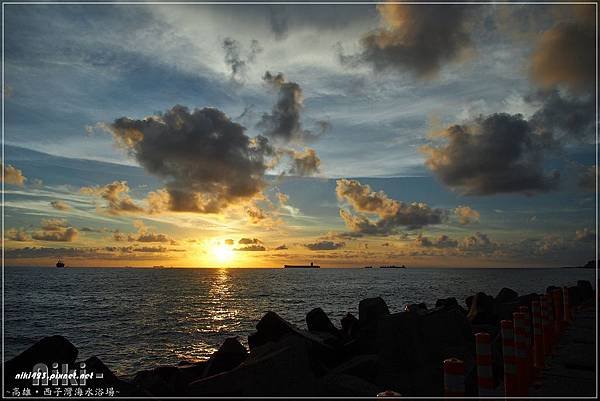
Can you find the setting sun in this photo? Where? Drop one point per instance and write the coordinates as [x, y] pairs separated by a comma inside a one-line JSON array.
[[222, 253]]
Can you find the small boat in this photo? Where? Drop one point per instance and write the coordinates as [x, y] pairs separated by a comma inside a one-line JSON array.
[[392, 267], [311, 266], [60, 263]]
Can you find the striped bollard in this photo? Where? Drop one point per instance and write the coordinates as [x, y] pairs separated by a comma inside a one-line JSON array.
[[528, 342], [521, 352], [567, 305], [454, 377], [546, 327], [558, 311], [485, 376], [508, 353], [538, 337]]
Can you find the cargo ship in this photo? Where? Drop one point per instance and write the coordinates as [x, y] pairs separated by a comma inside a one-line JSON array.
[[392, 267], [311, 266]]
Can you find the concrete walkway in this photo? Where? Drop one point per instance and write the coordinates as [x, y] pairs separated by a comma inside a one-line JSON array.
[[571, 371]]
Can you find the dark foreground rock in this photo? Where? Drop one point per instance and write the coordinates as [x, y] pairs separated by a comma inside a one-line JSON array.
[[318, 321], [273, 369], [58, 350], [412, 347], [227, 357], [49, 350], [371, 309]]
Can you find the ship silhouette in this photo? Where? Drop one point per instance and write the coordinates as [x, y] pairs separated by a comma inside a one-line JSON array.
[[311, 266]]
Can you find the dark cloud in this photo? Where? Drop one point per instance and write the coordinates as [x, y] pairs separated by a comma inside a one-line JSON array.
[[416, 38], [255, 214], [392, 214], [208, 161], [563, 117], [565, 54], [442, 241], [116, 195], [109, 252], [479, 242], [135, 249], [59, 205], [283, 124], [13, 176], [325, 245], [281, 247], [304, 163], [236, 60], [248, 241], [251, 248], [40, 252], [494, 154], [278, 20], [588, 179], [91, 230]]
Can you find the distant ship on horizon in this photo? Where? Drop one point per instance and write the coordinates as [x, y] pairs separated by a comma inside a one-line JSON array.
[[60, 263], [311, 266], [392, 267]]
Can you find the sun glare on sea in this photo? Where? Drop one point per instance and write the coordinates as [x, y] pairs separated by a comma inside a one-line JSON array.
[[222, 253]]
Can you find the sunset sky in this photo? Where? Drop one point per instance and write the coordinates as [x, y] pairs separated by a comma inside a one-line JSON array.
[[258, 135]]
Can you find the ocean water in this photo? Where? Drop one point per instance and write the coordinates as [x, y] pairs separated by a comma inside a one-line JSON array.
[[134, 319]]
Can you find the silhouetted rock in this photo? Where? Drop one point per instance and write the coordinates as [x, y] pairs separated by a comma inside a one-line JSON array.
[[412, 346], [349, 325], [229, 355], [505, 310], [506, 295], [317, 320], [446, 302], [272, 328], [273, 369], [371, 309], [363, 366], [109, 379], [481, 309], [526, 300], [49, 350], [162, 381], [342, 385], [421, 307], [586, 288]]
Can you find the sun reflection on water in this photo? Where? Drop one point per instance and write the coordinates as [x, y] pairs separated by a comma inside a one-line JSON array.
[[221, 312]]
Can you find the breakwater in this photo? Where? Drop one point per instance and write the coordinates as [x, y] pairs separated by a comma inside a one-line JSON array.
[[402, 352]]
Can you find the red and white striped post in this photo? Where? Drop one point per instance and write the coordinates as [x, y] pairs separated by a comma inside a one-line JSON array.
[[508, 353], [567, 303], [528, 342], [521, 352], [454, 377], [485, 375], [538, 337], [558, 312]]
